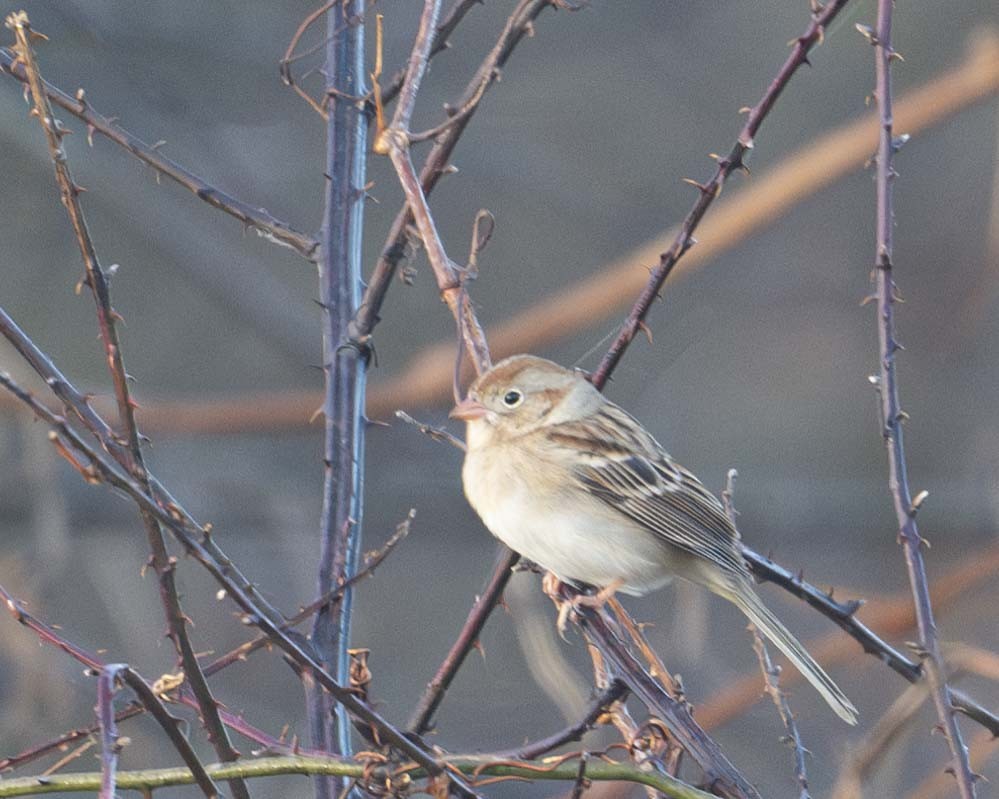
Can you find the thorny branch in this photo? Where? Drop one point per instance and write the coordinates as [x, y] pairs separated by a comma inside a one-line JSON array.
[[236, 655], [345, 370], [709, 192], [107, 317], [100, 467], [258, 219], [771, 671], [891, 412], [141, 688]]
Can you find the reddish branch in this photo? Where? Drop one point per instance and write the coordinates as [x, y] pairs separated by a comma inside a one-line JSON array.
[[709, 192], [436, 163], [99, 466], [891, 411], [163, 564], [145, 695]]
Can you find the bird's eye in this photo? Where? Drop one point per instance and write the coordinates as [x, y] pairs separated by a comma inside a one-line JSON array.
[[513, 398]]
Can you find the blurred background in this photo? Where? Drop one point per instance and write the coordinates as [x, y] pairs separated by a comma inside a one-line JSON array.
[[760, 358]]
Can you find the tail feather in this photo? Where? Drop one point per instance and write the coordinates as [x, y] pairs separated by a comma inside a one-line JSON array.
[[749, 603]]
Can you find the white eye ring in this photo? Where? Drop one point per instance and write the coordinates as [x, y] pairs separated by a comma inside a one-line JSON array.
[[513, 398]]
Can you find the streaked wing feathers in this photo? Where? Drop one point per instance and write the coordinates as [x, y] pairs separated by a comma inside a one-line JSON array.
[[626, 468]]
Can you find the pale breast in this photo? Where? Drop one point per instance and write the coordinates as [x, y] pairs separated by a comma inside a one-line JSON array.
[[565, 531]]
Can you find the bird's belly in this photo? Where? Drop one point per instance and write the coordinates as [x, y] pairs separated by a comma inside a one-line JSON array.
[[581, 541]]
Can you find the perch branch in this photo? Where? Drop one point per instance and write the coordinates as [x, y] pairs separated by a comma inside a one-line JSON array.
[[891, 411]]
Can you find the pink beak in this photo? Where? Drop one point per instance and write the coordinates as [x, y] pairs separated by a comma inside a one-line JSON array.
[[468, 410]]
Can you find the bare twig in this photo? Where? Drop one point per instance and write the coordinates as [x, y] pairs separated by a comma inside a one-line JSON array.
[[100, 467], [617, 691], [258, 219], [422, 718], [97, 280], [436, 433], [372, 562], [891, 411], [106, 722], [983, 746], [444, 30], [518, 24], [771, 671], [708, 192], [345, 367]]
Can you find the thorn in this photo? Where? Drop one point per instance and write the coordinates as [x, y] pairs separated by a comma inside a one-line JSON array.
[[894, 55], [867, 32], [868, 299], [450, 169], [745, 109], [157, 145], [646, 330], [900, 141], [874, 380]]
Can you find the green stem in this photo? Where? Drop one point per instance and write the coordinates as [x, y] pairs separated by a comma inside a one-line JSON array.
[[150, 779]]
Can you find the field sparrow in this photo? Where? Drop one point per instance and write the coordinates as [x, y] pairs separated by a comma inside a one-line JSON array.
[[570, 481]]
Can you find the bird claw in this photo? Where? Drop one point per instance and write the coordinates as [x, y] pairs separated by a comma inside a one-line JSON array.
[[552, 586]]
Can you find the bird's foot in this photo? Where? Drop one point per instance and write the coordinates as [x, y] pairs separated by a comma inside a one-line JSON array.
[[552, 586]]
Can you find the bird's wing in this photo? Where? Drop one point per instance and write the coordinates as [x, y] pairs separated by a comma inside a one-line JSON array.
[[626, 468]]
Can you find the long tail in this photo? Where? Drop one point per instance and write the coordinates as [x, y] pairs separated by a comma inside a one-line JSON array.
[[749, 603]]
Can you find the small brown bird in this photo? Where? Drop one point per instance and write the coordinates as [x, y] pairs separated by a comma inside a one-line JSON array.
[[569, 480]]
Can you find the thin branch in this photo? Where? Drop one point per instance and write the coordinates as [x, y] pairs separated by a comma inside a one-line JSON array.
[[101, 468], [719, 772], [844, 615], [477, 767], [142, 690], [107, 317], [891, 411], [617, 691], [422, 719], [440, 42], [345, 367], [372, 562], [771, 671], [518, 24], [709, 192], [266, 225], [435, 433]]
